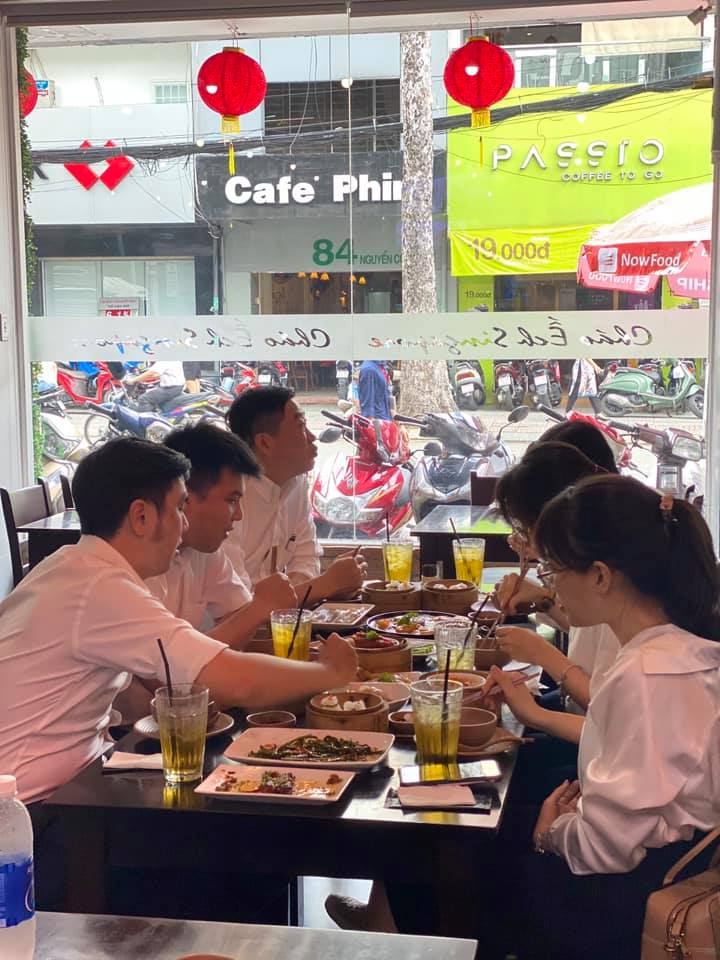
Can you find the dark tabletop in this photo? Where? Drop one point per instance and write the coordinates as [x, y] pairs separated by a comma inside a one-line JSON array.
[[67, 521], [62, 936]]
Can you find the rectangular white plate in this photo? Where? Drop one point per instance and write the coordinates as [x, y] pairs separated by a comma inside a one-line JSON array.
[[255, 737], [245, 772]]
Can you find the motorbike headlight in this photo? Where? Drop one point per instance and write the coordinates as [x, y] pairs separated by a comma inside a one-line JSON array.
[[338, 510], [689, 448]]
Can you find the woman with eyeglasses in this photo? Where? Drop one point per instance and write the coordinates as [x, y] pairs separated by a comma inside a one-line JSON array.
[[649, 761]]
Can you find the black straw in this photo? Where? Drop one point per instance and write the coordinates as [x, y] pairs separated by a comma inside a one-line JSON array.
[[387, 527], [297, 622], [167, 667]]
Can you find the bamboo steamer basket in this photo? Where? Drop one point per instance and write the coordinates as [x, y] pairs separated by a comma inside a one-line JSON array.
[[374, 719], [386, 601], [449, 601], [386, 660]]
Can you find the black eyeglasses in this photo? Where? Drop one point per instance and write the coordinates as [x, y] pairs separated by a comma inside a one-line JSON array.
[[546, 573]]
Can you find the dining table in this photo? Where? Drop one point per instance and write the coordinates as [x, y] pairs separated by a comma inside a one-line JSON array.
[[439, 528], [48, 534], [123, 819], [77, 936]]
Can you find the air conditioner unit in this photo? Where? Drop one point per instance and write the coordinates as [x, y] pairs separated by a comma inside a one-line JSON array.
[[46, 93]]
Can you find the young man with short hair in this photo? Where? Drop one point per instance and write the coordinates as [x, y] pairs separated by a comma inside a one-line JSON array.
[[277, 527], [83, 622], [201, 585]]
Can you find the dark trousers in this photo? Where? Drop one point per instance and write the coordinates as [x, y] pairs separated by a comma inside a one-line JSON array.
[[157, 396]]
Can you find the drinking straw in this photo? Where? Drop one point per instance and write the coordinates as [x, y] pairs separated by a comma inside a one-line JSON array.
[[297, 622], [474, 620], [273, 560], [387, 527], [445, 714], [446, 681], [167, 668], [459, 542]]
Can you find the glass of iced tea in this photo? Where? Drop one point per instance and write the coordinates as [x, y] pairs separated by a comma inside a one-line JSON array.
[[456, 637], [437, 726], [398, 557], [469, 556], [182, 721], [282, 624]]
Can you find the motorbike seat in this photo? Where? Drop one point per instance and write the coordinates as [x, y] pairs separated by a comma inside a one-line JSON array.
[[185, 400]]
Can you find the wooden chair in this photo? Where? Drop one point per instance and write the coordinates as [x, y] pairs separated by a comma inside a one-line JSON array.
[[58, 495], [301, 376], [482, 490], [20, 507]]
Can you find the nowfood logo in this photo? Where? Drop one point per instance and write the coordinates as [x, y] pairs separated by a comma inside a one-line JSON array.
[[116, 169]]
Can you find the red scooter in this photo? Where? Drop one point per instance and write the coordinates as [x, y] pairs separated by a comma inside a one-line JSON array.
[[355, 494], [621, 451], [236, 377], [79, 387]]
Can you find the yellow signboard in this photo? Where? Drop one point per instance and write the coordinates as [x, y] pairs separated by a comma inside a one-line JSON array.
[[516, 250]]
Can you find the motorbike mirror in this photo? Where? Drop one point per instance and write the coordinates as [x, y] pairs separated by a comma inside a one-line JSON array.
[[432, 449], [330, 434], [518, 414]]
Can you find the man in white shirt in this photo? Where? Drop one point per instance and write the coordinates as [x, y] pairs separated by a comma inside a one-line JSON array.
[[170, 378], [201, 585], [83, 622], [277, 531]]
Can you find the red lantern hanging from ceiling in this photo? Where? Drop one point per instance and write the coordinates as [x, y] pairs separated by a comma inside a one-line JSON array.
[[477, 75], [28, 94], [231, 84]]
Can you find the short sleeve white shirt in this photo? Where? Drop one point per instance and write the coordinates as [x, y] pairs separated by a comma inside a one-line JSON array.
[[201, 588], [279, 517], [649, 758], [170, 372], [72, 634]]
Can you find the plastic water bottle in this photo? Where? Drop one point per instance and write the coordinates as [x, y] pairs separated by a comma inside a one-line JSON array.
[[17, 895]]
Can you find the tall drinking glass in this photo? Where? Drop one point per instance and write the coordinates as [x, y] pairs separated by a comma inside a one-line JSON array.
[[398, 557], [437, 726], [469, 556], [450, 638], [182, 721], [282, 623]]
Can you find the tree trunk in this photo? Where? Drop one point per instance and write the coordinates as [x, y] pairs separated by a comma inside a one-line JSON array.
[[425, 383]]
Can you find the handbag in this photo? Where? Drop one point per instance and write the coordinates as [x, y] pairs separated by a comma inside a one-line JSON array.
[[682, 920]]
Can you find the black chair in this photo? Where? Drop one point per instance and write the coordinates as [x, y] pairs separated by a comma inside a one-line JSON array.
[[20, 507], [58, 495]]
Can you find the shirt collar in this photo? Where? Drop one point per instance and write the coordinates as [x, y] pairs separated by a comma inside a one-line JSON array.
[[271, 491], [102, 550], [668, 649]]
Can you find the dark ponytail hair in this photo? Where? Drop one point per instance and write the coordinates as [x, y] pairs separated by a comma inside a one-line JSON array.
[[545, 470], [666, 555]]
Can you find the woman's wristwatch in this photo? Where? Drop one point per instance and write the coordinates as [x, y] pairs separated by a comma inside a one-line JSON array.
[[543, 606]]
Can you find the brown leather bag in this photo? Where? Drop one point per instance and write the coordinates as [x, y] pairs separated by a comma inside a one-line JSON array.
[[682, 920]]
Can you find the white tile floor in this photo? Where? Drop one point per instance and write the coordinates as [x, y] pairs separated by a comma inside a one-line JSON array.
[[315, 889]]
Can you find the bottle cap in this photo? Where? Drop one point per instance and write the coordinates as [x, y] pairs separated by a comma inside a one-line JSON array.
[[8, 786]]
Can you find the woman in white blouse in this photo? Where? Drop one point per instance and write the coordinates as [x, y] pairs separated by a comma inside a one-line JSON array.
[[649, 760]]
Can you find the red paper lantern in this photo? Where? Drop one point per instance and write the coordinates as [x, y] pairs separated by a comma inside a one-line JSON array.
[[477, 75], [28, 94], [231, 84]]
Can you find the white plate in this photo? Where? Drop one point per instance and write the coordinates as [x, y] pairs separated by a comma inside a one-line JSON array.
[[147, 727], [254, 738], [245, 772], [394, 694]]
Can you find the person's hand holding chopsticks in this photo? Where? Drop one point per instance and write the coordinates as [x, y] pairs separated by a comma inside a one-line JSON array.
[[522, 644], [513, 686], [511, 593]]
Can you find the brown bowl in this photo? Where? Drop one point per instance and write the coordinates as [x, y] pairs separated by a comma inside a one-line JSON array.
[[213, 712], [477, 726], [473, 681], [402, 723], [373, 702], [484, 659], [271, 718]]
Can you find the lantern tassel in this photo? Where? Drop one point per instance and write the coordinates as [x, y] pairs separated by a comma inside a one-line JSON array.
[[231, 160], [480, 118], [230, 124], [482, 152]]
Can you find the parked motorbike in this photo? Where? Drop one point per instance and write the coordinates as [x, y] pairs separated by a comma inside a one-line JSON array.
[[510, 384], [544, 381], [236, 377], [79, 386], [468, 383], [117, 419], [343, 378], [356, 493], [272, 373], [62, 442], [631, 391], [441, 474], [620, 449]]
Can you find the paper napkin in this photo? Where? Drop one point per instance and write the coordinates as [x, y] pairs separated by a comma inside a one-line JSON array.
[[438, 796], [133, 761]]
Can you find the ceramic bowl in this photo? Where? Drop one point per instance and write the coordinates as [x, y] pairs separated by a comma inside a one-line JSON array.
[[402, 723], [473, 681], [271, 718], [477, 726]]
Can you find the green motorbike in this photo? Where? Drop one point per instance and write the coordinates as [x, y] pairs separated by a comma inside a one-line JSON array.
[[631, 391]]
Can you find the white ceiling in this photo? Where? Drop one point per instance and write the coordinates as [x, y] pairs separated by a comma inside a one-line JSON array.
[[73, 22]]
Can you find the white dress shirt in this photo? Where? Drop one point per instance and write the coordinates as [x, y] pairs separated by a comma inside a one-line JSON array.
[[72, 634], [649, 760], [594, 649], [201, 588], [170, 372], [279, 517]]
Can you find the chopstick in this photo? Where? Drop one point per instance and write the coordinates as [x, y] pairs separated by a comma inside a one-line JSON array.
[[273, 560], [500, 619]]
